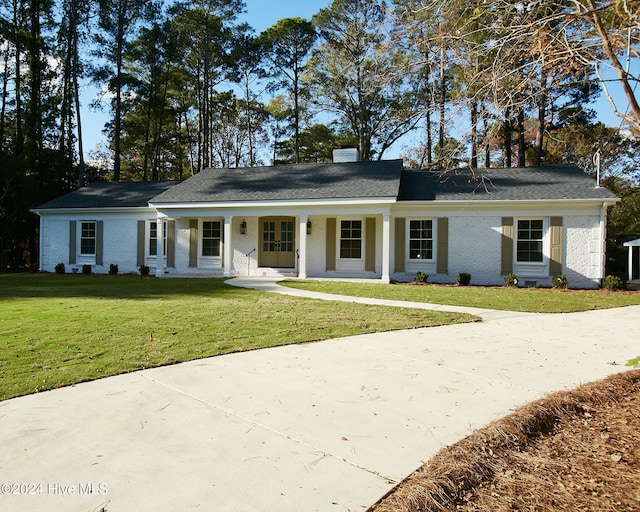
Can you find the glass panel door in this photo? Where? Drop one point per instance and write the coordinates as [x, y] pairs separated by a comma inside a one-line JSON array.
[[278, 242]]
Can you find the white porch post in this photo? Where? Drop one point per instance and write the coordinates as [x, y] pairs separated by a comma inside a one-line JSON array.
[[386, 222], [227, 246], [302, 262], [159, 246], [630, 262]]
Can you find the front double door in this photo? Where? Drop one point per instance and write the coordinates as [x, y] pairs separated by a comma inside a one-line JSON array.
[[277, 247]]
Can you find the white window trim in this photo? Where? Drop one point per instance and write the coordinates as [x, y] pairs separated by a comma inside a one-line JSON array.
[[210, 262], [362, 238], [532, 268], [85, 259], [434, 239], [419, 265], [152, 259], [351, 264]]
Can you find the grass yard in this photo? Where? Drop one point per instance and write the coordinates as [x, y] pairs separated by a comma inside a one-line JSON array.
[[57, 330], [533, 300]]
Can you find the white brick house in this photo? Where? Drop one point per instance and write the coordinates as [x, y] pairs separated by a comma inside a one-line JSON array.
[[353, 219]]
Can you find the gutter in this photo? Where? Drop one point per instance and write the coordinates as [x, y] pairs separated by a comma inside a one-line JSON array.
[[84, 211]]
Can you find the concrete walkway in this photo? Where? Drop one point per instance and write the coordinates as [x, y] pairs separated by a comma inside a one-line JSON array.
[[314, 427], [270, 284]]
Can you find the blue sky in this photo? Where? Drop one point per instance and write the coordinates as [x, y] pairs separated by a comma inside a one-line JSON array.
[[261, 14]]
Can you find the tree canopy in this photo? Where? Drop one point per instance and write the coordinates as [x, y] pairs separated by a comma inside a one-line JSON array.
[[187, 86]]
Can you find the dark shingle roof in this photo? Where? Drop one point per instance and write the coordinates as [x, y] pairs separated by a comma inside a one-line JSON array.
[[384, 179], [289, 182], [110, 195], [516, 184]]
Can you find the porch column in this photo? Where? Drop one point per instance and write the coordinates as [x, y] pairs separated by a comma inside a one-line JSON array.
[[302, 262], [227, 246], [630, 262], [386, 222], [159, 246]]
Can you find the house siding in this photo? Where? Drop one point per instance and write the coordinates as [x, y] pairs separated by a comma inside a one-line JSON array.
[[582, 251], [474, 244], [119, 242]]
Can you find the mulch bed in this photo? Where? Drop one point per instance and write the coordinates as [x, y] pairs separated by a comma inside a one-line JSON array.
[[571, 451]]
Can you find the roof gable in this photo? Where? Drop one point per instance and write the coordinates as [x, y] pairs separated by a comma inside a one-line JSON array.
[[289, 182]]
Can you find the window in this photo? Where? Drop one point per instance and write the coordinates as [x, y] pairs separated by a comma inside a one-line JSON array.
[[351, 239], [88, 238], [211, 237], [529, 241], [421, 239], [153, 238]]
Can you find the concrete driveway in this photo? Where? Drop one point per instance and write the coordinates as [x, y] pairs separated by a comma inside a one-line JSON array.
[[315, 427]]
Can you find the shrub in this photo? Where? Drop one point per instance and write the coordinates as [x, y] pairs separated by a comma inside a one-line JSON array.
[[59, 268], [86, 269], [560, 281], [421, 277], [464, 278], [144, 270], [511, 280], [113, 269], [613, 283], [634, 363]]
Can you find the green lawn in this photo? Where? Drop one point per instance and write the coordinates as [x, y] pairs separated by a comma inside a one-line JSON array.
[[57, 330], [535, 300]]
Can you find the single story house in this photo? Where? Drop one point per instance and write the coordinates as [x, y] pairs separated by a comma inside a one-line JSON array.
[[350, 219]]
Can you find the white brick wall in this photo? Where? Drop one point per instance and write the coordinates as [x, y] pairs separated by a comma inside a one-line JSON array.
[[119, 242], [474, 245]]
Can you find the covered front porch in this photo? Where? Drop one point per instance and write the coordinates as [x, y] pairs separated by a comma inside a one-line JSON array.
[[274, 243]]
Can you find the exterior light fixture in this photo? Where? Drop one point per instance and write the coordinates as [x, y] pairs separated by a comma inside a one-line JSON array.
[[243, 227], [309, 226]]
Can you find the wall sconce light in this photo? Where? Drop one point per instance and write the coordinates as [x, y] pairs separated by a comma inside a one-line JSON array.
[[309, 226], [243, 227]]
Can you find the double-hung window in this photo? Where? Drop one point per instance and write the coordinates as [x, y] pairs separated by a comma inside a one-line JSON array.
[[211, 238], [529, 243], [153, 238], [88, 238], [420, 239], [351, 239]]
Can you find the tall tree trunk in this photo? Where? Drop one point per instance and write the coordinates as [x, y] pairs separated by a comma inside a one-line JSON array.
[[442, 99], [117, 123], [485, 141], [75, 70], [428, 107], [542, 113], [474, 134], [361, 129], [5, 94], [34, 138], [250, 135], [159, 126], [522, 143], [17, 22], [507, 137]]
